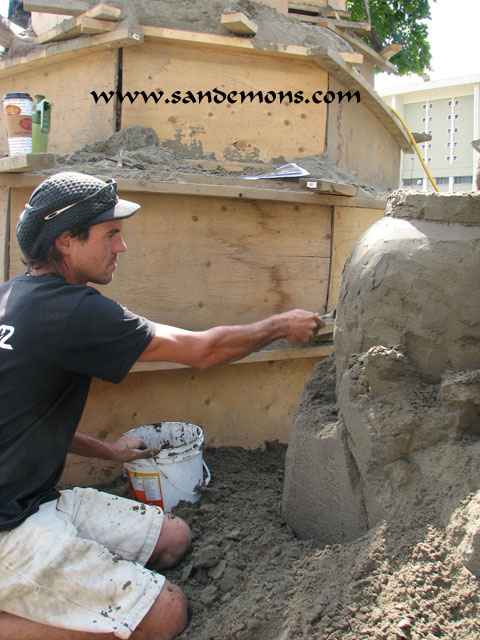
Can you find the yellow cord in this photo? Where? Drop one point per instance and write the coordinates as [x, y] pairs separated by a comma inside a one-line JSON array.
[[416, 149]]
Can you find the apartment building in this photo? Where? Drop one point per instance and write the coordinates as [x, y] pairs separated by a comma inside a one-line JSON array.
[[448, 110]]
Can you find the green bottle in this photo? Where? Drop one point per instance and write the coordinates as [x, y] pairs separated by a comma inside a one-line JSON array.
[[41, 116]]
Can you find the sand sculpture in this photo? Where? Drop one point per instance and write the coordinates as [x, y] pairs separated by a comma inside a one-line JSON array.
[[402, 430]]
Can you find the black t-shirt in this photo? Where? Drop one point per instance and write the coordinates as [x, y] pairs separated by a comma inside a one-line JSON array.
[[54, 337]]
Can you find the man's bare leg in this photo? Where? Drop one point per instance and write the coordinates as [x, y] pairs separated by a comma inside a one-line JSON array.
[[173, 544], [164, 621]]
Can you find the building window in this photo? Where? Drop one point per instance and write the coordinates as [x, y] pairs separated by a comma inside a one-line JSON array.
[[442, 180], [455, 116], [412, 182], [454, 130], [427, 106], [429, 160], [455, 144], [451, 158], [429, 119], [463, 180], [450, 102]]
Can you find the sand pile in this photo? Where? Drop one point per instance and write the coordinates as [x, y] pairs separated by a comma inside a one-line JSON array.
[[134, 153]]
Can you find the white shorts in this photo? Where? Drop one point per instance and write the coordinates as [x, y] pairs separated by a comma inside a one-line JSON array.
[[77, 563]]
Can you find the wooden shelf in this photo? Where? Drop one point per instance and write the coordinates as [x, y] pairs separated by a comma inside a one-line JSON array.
[[27, 162], [273, 355], [210, 186]]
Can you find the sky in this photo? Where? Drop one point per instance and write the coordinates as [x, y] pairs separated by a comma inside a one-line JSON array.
[[453, 30]]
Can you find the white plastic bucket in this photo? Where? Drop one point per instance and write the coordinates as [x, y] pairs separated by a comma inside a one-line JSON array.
[[176, 469]]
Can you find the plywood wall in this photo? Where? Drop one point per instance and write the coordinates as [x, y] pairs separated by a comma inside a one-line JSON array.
[[198, 261], [348, 225], [249, 131], [358, 141]]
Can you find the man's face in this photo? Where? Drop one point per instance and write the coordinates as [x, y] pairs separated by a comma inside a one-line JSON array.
[[95, 259]]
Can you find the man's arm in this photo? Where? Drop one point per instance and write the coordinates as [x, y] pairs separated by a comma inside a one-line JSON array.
[[225, 344], [124, 449]]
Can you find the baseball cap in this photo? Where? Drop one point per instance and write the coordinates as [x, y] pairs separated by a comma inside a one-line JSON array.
[[64, 201]]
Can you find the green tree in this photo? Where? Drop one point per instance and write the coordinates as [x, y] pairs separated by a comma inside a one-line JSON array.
[[398, 21]]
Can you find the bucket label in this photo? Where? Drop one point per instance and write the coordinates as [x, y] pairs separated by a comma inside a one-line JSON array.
[[146, 487]]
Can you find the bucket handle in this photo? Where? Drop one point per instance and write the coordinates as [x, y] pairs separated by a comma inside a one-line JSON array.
[[192, 493]]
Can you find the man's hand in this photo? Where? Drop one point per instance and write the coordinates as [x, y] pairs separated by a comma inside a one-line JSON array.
[[129, 448], [124, 449], [301, 325]]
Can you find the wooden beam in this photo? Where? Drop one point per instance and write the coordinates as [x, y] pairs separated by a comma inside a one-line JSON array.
[[328, 186], [69, 49], [27, 162], [359, 27], [62, 7], [73, 27], [311, 7], [357, 43], [390, 51], [329, 59], [239, 24]]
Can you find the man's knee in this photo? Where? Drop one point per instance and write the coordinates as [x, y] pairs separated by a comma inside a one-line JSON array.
[[173, 543], [167, 617]]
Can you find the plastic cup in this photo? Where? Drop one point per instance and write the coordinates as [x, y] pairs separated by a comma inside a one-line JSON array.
[[17, 108]]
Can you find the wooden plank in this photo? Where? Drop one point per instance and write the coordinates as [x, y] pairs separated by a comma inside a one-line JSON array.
[[73, 27], [69, 50], [63, 7], [226, 43], [390, 51], [361, 27], [27, 162], [308, 6], [357, 43], [204, 186], [104, 12], [330, 60], [328, 186], [239, 23], [354, 59], [246, 130], [335, 13], [266, 355], [348, 225]]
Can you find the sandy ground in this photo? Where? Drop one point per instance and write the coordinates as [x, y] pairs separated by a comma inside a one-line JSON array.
[[249, 577]]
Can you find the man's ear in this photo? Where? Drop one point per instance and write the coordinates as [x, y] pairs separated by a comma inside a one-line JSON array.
[[64, 242]]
